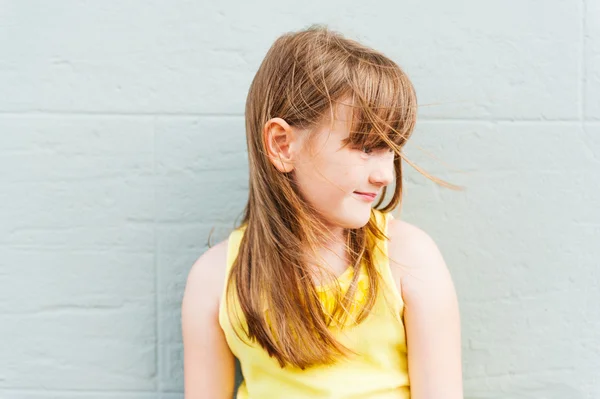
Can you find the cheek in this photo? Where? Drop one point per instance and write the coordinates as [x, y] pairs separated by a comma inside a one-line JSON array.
[[329, 173], [336, 177], [335, 164]]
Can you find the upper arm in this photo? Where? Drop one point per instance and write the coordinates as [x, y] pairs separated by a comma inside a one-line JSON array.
[[431, 314], [208, 364]]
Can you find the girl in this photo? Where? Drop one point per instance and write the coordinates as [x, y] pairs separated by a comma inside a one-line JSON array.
[[319, 292]]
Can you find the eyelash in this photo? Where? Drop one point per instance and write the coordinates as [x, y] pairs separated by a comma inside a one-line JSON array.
[[371, 149]]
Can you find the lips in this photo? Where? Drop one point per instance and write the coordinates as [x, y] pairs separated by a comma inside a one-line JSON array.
[[372, 195]]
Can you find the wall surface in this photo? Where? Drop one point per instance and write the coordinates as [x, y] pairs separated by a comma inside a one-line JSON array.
[[122, 145]]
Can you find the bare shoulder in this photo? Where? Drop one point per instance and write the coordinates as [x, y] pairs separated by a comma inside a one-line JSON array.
[[208, 363], [416, 262], [431, 314], [206, 277]]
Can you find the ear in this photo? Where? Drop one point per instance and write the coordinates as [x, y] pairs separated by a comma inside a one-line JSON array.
[[281, 144]]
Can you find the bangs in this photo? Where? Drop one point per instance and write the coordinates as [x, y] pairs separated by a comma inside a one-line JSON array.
[[384, 106]]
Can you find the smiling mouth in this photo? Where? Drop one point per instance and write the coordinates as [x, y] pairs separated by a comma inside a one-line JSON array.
[[368, 195]]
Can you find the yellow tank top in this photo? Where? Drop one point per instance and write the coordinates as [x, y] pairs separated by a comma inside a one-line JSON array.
[[381, 370]]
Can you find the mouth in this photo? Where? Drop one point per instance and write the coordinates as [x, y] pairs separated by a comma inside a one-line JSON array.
[[365, 195]]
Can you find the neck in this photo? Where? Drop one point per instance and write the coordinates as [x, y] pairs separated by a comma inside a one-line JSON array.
[[332, 253]]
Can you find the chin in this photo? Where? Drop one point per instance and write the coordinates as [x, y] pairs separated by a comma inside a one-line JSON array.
[[358, 220]]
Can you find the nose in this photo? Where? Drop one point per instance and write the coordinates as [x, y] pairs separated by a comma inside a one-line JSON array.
[[382, 172]]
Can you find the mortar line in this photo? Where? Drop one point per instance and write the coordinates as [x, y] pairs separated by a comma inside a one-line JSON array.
[[116, 115], [77, 392], [583, 66], [157, 351]]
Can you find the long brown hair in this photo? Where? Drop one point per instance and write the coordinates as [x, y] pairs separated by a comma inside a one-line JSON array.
[[302, 76]]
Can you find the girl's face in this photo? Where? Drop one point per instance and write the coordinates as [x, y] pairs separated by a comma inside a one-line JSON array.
[[332, 176]]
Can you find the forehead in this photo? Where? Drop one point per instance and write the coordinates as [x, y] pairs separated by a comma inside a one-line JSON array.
[[334, 128], [341, 113]]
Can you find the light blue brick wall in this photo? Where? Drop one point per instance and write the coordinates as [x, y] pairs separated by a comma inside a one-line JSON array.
[[122, 144]]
